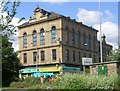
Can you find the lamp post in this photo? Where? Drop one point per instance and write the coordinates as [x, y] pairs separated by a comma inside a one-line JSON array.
[[100, 32], [85, 56]]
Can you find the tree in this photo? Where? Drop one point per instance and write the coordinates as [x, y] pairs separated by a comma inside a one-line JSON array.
[[9, 59], [10, 9], [114, 55], [10, 62]]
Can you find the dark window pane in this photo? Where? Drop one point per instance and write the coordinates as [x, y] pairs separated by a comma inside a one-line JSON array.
[[73, 38], [67, 55], [34, 56], [25, 57], [54, 54], [42, 56], [73, 55]]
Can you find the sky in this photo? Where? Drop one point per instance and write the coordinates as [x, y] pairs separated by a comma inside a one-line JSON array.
[[85, 12]]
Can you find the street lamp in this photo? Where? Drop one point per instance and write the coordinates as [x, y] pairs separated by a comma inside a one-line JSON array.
[[85, 44], [85, 56]]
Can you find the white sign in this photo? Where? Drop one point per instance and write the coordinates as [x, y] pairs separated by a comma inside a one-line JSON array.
[[86, 61]]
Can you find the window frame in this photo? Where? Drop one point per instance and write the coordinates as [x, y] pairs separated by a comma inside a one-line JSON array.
[[34, 35], [25, 58], [25, 40], [42, 36], [34, 57], [54, 55], [67, 55], [73, 56], [73, 38], [42, 55], [79, 39], [89, 41], [54, 34]]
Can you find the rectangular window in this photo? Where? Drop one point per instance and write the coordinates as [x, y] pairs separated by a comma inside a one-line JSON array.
[[42, 56], [73, 38], [94, 43], [89, 42], [89, 55], [73, 55], [79, 57], [79, 39], [67, 37], [54, 54], [94, 59], [34, 56], [67, 55], [25, 57], [99, 59]]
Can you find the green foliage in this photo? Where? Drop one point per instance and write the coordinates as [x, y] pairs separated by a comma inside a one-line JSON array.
[[10, 9], [10, 62], [82, 81], [32, 80], [73, 81], [114, 55], [19, 84]]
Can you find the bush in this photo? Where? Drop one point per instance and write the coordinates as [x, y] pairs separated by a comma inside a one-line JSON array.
[[72, 81], [32, 80], [85, 81], [19, 84]]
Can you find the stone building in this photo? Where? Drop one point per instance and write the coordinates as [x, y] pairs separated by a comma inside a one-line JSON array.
[[53, 39]]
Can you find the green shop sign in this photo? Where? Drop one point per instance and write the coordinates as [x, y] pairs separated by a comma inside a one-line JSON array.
[[71, 69], [102, 70], [28, 70]]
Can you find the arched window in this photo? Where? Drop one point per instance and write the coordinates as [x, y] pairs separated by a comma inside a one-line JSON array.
[[89, 41], [73, 38], [94, 42], [42, 36], [79, 39], [67, 35], [25, 40], [53, 34], [84, 36], [34, 37]]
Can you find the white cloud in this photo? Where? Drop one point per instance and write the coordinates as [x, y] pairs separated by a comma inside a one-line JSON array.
[[91, 18], [88, 17], [15, 37], [109, 14], [110, 29]]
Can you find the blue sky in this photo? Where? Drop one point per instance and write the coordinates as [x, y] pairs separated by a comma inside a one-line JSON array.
[[86, 12], [65, 8]]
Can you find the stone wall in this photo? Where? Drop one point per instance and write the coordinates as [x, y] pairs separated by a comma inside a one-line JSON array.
[[112, 67]]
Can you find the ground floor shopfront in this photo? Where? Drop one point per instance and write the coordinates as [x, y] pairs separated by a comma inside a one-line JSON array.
[[47, 70]]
